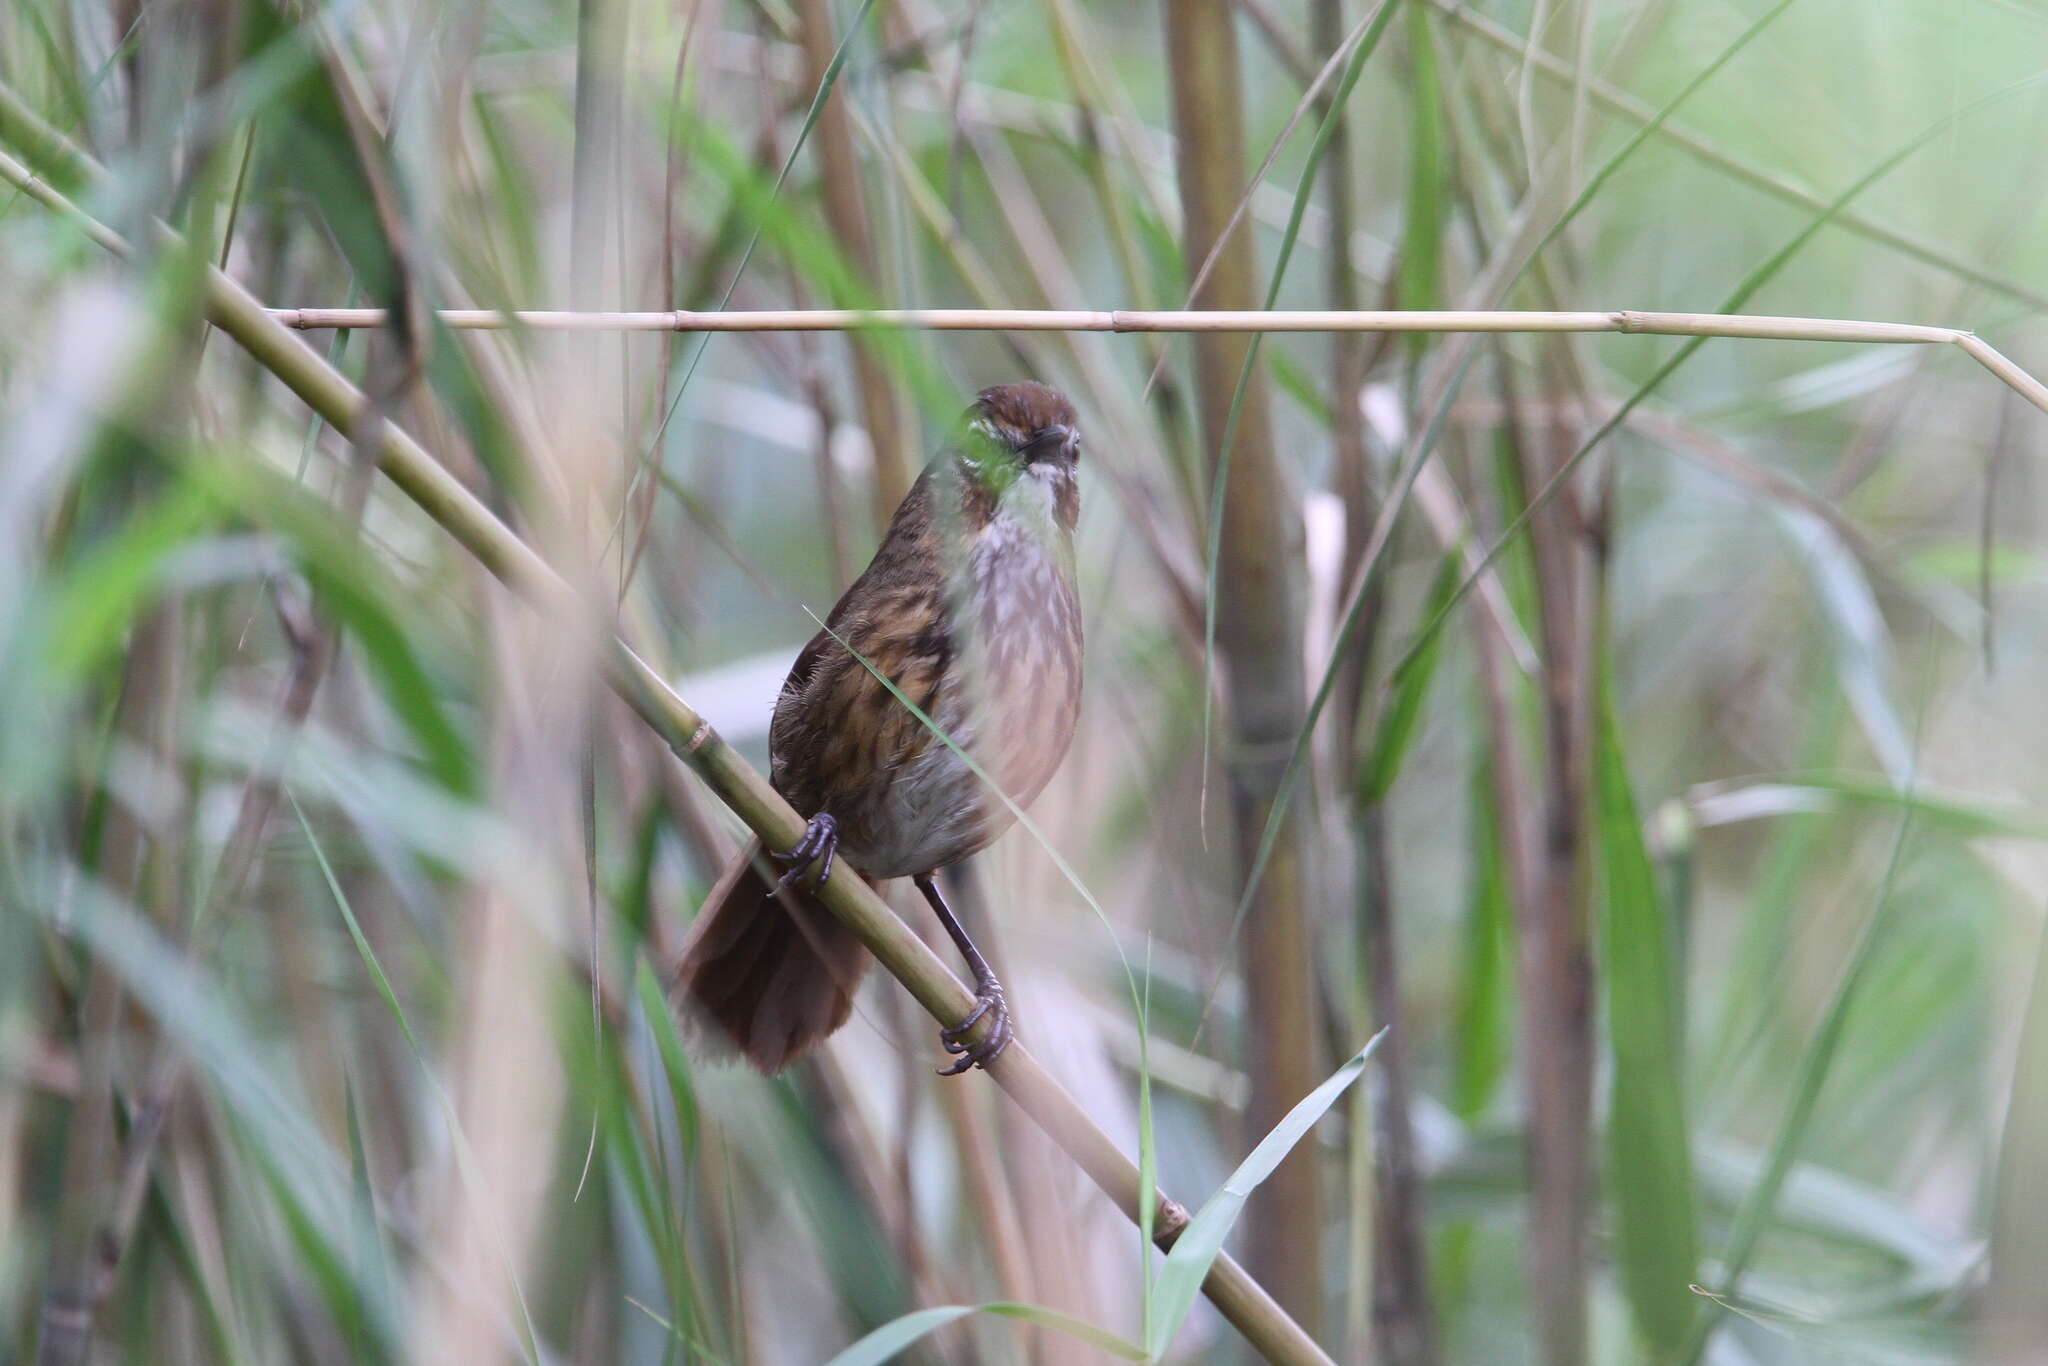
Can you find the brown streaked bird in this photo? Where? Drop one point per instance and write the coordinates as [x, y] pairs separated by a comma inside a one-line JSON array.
[[969, 609]]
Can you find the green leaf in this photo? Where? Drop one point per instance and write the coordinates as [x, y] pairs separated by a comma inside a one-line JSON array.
[[1195, 1251], [1395, 734], [891, 1338], [1764, 273], [466, 1159], [1861, 644], [1486, 984], [1428, 176], [372, 1263], [829, 79], [1809, 794], [1649, 1156], [1815, 1064], [674, 1062], [91, 609]]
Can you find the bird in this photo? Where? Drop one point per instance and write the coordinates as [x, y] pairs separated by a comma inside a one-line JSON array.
[[970, 611]]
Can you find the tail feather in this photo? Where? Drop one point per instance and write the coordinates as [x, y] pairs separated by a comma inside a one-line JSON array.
[[772, 974]]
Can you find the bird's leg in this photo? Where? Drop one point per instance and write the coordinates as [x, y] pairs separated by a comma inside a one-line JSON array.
[[988, 994], [819, 845]]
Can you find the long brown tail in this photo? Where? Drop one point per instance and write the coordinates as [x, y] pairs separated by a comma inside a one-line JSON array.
[[773, 974]]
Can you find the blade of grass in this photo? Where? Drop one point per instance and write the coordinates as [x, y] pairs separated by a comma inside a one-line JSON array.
[[1755, 1215], [529, 1338], [803, 133], [1772, 183], [372, 1262], [1391, 506], [295, 1164], [1649, 1154], [1395, 734], [1366, 31], [2019, 1238], [1428, 177], [892, 1339], [1856, 631], [1742, 293], [1180, 1280], [1648, 130]]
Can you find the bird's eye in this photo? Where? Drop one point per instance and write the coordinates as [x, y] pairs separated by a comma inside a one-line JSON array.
[[1050, 441]]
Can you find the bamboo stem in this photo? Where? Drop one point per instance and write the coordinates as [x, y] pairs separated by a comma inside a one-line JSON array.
[[890, 430], [449, 502], [1752, 326], [1256, 542], [1151, 320]]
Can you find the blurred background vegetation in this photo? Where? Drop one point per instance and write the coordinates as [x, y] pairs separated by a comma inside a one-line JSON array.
[[1692, 849]]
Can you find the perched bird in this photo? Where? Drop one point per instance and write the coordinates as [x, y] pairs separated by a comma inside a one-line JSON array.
[[969, 611]]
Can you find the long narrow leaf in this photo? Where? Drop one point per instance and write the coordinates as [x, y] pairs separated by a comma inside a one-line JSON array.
[[1741, 295], [1649, 1154], [1814, 1066], [886, 1342], [1195, 1251], [1396, 732]]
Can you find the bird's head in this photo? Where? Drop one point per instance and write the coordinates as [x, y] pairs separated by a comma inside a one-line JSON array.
[[1031, 423], [1021, 449]]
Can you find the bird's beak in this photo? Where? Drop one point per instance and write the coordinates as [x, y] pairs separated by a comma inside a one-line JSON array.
[[1051, 443]]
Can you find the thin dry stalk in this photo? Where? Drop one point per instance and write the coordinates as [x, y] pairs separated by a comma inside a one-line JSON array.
[[2015, 1316], [847, 215], [1281, 45], [1258, 635], [1556, 994], [1149, 320], [1403, 1317], [1403, 1324], [314, 641], [1314, 97], [1755, 326], [86, 1250]]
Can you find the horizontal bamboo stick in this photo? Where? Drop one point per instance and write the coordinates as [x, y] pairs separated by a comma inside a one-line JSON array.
[[1764, 327], [1143, 320], [232, 309]]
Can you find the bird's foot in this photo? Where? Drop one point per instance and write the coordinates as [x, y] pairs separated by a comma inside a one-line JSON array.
[[819, 845], [989, 1004]]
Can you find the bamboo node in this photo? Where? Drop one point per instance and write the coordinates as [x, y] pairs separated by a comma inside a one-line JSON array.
[[698, 739]]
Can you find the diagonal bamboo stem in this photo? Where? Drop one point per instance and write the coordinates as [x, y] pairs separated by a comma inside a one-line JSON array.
[[414, 470]]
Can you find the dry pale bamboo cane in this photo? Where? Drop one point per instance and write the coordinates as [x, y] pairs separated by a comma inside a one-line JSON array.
[[1754, 326], [1240, 1298], [1148, 320]]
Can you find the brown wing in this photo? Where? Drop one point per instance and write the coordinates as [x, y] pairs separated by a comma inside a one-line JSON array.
[[838, 734]]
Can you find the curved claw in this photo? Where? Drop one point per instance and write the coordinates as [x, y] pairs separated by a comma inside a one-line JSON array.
[[819, 845], [981, 1008], [991, 1003]]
